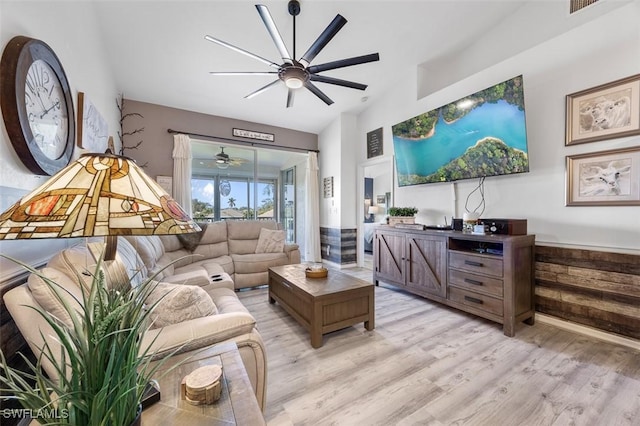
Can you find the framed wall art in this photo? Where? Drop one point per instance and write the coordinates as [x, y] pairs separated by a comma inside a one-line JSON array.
[[93, 131], [606, 178], [166, 182], [327, 185], [374, 143], [608, 111]]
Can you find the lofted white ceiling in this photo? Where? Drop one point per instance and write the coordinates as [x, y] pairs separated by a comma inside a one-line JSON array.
[[159, 54]]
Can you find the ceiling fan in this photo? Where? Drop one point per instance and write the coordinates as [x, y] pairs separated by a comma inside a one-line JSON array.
[[223, 160], [296, 74]]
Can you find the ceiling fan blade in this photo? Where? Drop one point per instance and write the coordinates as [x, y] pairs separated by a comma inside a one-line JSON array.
[[262, 89], [290, 96], [232, 73], [318, 93], [273, 32], [356, 60], [324, 38], [337, 82], [240, 50]]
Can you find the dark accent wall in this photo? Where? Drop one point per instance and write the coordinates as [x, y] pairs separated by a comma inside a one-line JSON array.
[[592, 288], [338, 245], [157, 147]]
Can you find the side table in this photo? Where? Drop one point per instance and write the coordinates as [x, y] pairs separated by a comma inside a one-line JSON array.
[[237, 404]]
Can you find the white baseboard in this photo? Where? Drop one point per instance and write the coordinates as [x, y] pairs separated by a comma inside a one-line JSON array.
[[589, 331]]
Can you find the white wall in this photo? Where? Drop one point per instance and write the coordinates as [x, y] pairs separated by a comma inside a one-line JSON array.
[[329, 161], [348, 172], [70, 29], [602, 50]]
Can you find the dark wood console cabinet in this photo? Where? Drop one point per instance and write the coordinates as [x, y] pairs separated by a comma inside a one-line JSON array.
[[487, 275]]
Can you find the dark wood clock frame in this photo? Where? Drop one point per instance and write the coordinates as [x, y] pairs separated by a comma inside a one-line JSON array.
[[17, 57]]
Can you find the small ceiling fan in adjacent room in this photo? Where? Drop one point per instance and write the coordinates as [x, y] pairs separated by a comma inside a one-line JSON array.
[[296, 74], [222, 160]]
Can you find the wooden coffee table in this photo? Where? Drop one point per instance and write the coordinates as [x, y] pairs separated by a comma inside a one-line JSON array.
[[322, 305]]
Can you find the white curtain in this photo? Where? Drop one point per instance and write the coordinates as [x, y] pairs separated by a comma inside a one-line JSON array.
[[182, 171], [312, 211]]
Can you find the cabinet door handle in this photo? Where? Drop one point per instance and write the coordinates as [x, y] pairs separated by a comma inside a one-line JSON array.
[[473, 300], [285, 285], [474, 282], [472, 263]]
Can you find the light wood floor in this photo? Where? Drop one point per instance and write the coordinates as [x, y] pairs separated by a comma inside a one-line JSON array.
[[428, 364]]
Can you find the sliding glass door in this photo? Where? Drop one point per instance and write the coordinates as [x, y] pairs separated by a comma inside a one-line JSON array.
[[235, 183]]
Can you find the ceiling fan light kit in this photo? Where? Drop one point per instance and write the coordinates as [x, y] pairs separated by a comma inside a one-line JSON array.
[[296, 74]]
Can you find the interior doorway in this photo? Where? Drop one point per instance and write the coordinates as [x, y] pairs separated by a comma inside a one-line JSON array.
[[376, 185]]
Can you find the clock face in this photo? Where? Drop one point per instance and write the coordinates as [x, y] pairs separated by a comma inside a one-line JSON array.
[[37, 106], [46, 108]]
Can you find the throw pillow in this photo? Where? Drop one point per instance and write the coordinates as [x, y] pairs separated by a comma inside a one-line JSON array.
[[177, 303], [270, 241], [191, 240]]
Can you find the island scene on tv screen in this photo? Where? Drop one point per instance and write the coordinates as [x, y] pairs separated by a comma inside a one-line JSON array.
[[483, 134]]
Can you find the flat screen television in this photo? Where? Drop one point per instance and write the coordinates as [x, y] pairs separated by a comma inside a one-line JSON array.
[[483, 134]]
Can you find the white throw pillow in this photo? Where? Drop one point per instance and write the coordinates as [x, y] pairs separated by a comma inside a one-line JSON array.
[[180, 303], [270, 241]]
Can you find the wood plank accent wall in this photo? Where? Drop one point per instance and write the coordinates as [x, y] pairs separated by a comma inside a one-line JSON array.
[[593, 288], [338, 245]]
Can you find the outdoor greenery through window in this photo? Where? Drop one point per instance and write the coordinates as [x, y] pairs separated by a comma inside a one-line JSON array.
[[225, 198], [233, 182]]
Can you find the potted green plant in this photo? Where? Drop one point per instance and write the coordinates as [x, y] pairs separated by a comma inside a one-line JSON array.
[[104, 368], [402, 215]]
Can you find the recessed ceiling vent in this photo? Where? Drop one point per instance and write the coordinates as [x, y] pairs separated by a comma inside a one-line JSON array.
[[576, 5]]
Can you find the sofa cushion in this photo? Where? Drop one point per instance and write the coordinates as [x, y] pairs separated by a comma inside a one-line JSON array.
[[227, 301], [257, 262], [244, 234], [213, 243], [52, 297], [170, 242], [209, 266], [128, 255], [78, 264], [189, 276], [150, 248], [270, 241], [176, 303], [198, 333]]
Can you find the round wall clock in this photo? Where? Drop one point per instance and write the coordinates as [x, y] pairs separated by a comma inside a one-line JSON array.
[[37, 105]]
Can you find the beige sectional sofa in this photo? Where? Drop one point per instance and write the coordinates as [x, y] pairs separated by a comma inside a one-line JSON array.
[[231, 247], [223, 250]]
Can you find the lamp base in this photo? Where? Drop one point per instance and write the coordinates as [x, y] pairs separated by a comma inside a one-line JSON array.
[[111, 247], [115, 273]]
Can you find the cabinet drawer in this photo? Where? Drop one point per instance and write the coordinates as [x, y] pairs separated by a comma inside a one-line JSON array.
[[476, 300], [476, 263], [475, 282]]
